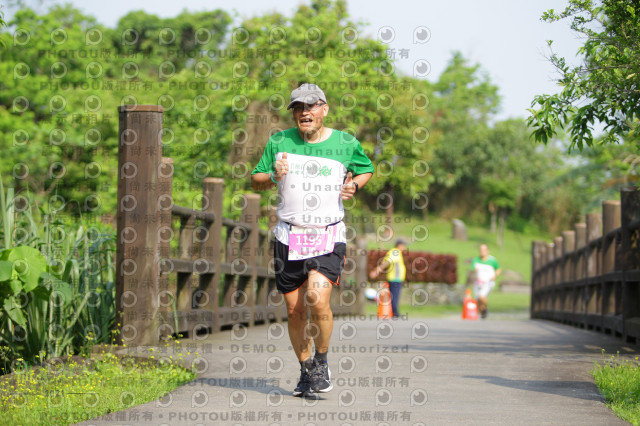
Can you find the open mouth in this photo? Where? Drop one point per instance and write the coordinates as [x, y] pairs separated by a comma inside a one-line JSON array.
[[306, 120]]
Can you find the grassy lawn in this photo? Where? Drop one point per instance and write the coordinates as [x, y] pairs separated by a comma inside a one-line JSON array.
[[514, 255], [74, 391], [619, 382], [499, 303]]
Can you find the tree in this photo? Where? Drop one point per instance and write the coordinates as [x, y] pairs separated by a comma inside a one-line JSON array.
[[2, 24], [604, 87], [320, 44], [218, 85], [465, 99]]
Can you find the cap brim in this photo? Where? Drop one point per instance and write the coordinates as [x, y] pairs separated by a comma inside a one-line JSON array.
[[305, 100]]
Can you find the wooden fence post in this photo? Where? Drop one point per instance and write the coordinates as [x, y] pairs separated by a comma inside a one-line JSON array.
[[251, 215], [551, 276], [568, 247], [558, 271], [537, 254], [581, 293], [542, 263], [165, 234], [610, 221], [212, 191], [275, 300], [186, 280], [137, 254], [580, 230], [551, 253], [630, 261], [594, 231], [558, 304], [593, 268]]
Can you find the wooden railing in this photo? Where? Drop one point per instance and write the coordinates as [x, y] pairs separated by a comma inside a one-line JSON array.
[[590, 276], [206, 273]]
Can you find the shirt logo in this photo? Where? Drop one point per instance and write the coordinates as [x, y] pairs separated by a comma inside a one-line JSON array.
[[325, 171], [312, 168]]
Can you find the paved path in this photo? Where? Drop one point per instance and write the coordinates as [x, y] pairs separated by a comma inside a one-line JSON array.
[[411, 372]]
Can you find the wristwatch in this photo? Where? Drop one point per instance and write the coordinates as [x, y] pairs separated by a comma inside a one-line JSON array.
[[357, 186]]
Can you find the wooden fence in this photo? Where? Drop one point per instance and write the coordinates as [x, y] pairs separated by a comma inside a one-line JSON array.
[[590, 276], [191, 271]]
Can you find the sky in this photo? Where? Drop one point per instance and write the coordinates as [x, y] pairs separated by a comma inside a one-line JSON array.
[[506, 37]]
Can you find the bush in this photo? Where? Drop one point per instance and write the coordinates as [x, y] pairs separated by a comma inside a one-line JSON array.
[[57, 285], [422, 267]]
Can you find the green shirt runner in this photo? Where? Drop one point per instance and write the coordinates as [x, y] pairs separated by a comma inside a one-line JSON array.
[[485, 270], [316, 174]]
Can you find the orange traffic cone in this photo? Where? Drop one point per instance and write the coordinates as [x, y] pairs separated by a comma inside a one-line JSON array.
[[384, 302], [469, 307]]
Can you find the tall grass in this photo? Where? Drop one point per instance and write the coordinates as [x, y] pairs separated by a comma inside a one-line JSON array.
[[73, 305], [619, 382]]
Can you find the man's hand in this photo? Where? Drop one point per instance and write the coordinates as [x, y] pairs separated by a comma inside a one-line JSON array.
[[348, 188], [282, 167]]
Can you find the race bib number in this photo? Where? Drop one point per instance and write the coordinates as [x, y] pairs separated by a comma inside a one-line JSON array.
[[305, 243]]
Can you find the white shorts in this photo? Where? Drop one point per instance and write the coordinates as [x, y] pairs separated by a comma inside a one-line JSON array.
[[484, 289]]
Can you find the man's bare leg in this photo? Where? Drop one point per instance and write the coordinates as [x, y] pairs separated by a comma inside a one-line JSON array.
[[482, 304], [297, 323], [318, 298]]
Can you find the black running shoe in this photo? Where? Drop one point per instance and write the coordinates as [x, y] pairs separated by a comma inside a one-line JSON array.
[[304, 384], [320, 377]]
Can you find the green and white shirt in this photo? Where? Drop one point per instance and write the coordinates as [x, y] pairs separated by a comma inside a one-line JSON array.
[[485, 270], [309, 195]]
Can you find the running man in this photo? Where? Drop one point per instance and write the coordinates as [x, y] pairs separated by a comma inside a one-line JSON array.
[[487, 269], [315, 168]]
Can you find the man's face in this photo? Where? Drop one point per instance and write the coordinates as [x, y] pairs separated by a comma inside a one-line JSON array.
[[484, 250], [309, 117]]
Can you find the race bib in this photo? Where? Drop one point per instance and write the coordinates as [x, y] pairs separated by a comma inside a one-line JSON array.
[[305, 243]]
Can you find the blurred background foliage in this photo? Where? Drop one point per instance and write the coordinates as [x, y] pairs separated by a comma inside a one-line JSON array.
[[225, 87]]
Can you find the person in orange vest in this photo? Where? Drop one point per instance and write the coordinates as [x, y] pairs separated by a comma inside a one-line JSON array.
[[485, 269], [393, 263]]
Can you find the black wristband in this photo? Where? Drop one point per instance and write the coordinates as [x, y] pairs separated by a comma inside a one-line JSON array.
[[357, 186]]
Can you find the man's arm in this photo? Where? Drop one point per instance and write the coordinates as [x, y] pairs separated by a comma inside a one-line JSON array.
[[387, 260], [362, 179], [262, 181], [378, 269], [349, 189]]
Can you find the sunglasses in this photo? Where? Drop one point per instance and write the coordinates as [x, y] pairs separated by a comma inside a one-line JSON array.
[[307, 107]]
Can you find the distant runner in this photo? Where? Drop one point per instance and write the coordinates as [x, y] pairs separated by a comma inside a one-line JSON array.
[[486, 269]]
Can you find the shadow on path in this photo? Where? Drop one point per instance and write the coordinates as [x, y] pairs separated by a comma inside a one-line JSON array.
[[570, 388], [256, 384]]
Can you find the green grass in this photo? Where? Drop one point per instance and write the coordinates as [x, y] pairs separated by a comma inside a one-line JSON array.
[[499, 303], [75, 391], [619, 382], [515, 254]]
